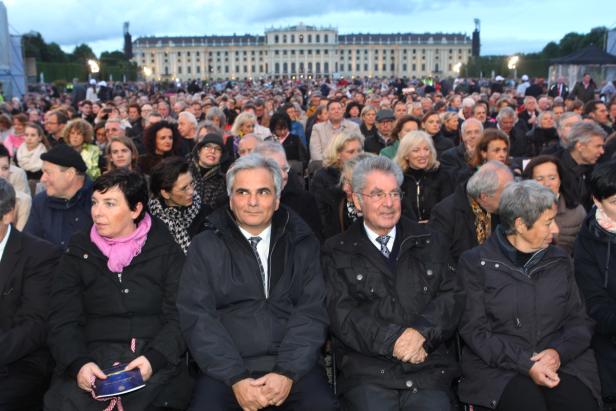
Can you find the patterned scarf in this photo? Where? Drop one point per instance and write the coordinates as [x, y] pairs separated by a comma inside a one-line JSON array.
[[605, 222], [483, 222], [177, 219]]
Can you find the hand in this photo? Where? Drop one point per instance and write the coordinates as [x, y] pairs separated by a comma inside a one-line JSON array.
[[549, 358], [408, 346], [249, 397], [87, 374], [275, 387], [541, 374], [144, 367]]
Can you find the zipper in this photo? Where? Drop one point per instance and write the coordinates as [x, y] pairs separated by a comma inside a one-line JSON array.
[[269, 258]]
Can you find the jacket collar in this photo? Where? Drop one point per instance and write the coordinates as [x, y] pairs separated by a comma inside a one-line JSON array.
[[84, 194]]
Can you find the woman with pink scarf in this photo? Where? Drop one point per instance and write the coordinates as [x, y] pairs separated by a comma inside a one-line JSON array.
[[113, 304]]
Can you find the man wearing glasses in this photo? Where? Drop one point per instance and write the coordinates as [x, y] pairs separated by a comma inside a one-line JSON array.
[[393, 300], [54, 126]]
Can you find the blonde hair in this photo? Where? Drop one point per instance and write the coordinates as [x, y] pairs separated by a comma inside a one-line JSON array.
[[335, 146], [242, 118], [410, 141]]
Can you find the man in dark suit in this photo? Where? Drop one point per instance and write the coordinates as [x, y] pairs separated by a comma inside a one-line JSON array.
[[559, 89], [26, 264]]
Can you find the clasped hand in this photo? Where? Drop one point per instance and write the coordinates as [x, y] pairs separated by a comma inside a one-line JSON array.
[[254, 394], [544, 370], [409, 347]]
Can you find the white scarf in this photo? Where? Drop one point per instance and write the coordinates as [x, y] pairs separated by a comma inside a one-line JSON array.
[[30, 160]]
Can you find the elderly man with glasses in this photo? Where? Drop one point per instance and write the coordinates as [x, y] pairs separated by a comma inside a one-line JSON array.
[[393, 300]]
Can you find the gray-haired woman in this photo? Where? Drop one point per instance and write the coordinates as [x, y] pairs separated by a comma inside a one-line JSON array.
[[527, 336]]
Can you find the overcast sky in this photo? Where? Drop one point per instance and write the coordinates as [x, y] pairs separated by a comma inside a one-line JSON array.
[[507, 27]]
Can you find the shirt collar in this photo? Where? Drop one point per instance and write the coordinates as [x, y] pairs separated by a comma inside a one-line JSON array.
[[265, 235], [372, 236]]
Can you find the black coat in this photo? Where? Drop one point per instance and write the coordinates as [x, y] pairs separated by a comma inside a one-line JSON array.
[[370, 305], [90, 305], [454, 218], [375, 143], [26, 271], [231, 328], [295, 150], [595, 272], [454, 161], [325, 187], [579, 174], [423, 190], [441, 143], [513, 311], [302, 202]]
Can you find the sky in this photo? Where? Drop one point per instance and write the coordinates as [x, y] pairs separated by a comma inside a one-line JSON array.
[[507, 27]]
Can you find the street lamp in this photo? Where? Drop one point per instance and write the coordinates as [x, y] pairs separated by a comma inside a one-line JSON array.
[[512, 65], [457, 67], [147, 71], [94, 67]]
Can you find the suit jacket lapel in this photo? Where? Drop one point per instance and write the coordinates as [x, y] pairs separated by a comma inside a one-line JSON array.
[[10, 258]]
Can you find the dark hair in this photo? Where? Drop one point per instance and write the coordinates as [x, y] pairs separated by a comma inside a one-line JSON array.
[[591, 106], [400, 124], [7, 197], [4, 152], [130, 183], [21, 117], [332, 101], [347, 112], [278, 118], [430, 114], [603, 180], [566, 185], [61, 116], [40, 132], [164, 174], [134, 105], [489, 135], [149, 135]]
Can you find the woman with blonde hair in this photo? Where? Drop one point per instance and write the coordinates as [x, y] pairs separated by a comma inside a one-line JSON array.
[[79, 135], [325, 183], [244, 124], [425, 183]]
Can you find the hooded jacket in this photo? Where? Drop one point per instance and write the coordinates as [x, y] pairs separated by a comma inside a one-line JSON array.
[[231, 328], [595, 272]]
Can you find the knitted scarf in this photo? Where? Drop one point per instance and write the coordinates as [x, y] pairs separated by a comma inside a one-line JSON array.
[[177, 219], [30, 160], [121, 251]]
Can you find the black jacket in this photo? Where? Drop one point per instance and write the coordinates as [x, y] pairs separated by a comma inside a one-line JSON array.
[[454, 218], [454, 161], [302, 202], [231, 328], [90, 305], [325, 187], [370, 305], [295, 150], [579, 174], [441, 143], [514, 310], [595, 272], [375, 143], [26, 271], [423, 190]]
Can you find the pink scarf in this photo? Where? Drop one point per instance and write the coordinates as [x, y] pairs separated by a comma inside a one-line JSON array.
[[605, 222], [121, 251]]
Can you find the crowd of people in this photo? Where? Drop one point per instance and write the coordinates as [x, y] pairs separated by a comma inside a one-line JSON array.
[[445, 246]]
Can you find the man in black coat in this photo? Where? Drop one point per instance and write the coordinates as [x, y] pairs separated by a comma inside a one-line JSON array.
[[384, 124], [393, 299], [455, 160], [26, 265], [252, 300], [467, 217]]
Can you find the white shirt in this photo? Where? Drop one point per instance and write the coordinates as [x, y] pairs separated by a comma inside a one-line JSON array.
[[372, 237], [263, 247], [4, 241]]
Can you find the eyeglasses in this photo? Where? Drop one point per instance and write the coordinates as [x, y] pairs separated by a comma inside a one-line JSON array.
[[380, 195], [188, 187], [213, 147]]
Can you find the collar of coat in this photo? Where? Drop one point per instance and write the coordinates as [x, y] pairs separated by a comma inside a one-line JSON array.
[[84, 194]]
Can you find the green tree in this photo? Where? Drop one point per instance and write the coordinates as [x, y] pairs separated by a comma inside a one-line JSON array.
[[82, 53]]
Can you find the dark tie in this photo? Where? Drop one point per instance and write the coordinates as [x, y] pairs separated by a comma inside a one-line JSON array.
[[253, 244], [383, 240]]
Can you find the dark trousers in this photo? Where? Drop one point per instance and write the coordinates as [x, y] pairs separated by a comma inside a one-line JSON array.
[[310, 393], [369, 397], [22, 387], [523, 394]]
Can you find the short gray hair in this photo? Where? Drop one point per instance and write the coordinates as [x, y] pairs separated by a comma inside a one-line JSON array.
[[486, 180], [7, 197], [505, 112], [216, 112], [565, 116], [369, 164], [468, 121], [269, 147], [250, 162], [582, 132], [526, 200], [190, 117]]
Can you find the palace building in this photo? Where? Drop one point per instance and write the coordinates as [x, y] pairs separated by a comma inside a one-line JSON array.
[[302, 52]]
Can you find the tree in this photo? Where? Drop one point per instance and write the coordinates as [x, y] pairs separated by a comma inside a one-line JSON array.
[[82, 53]]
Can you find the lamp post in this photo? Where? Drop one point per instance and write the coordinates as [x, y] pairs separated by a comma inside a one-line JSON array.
[[93, 67], [512, 65], [457, 67]]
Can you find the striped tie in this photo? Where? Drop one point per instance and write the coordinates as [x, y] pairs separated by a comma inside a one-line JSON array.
[[383, 240], [253, 244]]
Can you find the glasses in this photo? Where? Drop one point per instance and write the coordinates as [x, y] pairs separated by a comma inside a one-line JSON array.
[[188, 187], [380, 195], [213, 147]]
